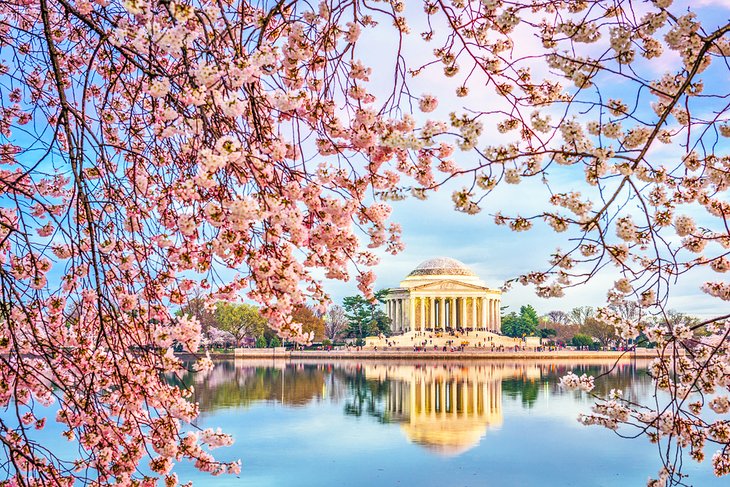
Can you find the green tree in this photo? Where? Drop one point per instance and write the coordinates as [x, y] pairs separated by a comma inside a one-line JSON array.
[[261, 342], [581, 340], [547, 332], [527, 323], [240, 320], [529, 316], [510, 324], [275, 342], [358, 316], [365, 318]]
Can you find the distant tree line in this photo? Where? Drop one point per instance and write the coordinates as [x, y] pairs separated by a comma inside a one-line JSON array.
[[237, 324], [580, 327]]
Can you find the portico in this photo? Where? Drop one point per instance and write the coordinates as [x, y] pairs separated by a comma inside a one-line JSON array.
[[443, 294]]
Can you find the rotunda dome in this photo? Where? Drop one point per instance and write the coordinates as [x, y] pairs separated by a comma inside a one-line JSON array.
[[442, 266]]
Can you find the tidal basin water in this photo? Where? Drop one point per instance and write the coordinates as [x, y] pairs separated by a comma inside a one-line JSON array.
[[421, 424]]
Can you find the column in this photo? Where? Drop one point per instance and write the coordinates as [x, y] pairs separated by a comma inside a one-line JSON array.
[[393, 312], [403, 310], [490, 314], [432, 313], [447, 312], [429, 312], [402, 314], [412, 317], [462, 318], [452, 313], [474, 313], [493, 317], [484, 314], [488, 310], [423, 314], [442, 319], [396, 314], [497, 315]]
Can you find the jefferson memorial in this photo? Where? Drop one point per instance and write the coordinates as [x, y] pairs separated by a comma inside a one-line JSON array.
[[443, 294]]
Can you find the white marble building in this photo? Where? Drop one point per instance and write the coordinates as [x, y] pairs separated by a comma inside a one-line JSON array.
[[443, 294]]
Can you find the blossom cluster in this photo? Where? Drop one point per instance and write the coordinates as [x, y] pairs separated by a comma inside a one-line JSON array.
[[174, 143], [572, 382]]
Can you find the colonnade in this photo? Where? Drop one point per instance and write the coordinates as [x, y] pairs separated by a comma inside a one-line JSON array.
[[441, 313]]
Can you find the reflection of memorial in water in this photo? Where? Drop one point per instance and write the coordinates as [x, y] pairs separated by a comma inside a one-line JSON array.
[[447, 409]]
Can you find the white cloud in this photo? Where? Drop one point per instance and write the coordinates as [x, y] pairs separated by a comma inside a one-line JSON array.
[[432, 228]]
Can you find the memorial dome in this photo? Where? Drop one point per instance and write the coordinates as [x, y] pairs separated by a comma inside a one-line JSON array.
[[442, 266]]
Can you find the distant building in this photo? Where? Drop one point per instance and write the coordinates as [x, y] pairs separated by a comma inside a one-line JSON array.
[[443, 294]]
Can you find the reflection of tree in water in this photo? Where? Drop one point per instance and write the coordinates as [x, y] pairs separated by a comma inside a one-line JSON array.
[[447, 408], [363, 395], [233, 384], [239, 384], [523, 388], [631, 378]]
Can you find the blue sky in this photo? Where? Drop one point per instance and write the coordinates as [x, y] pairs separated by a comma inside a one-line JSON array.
[[432, 228]]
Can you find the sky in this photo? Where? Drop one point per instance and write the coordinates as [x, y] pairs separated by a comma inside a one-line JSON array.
[[432, 228]]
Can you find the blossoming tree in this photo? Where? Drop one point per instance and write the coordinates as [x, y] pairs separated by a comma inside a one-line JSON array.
[[150, 148]]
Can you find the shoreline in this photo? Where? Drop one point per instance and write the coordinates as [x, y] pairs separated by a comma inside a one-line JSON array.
[[265, 353]]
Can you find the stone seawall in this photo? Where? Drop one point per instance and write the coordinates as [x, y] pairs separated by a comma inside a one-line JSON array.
[[257, 353]]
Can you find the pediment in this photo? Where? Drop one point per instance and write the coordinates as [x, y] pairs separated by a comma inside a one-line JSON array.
[[449, 285]]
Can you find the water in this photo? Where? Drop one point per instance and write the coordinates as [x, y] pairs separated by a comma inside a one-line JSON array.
[[421, 424], [345, 423]]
